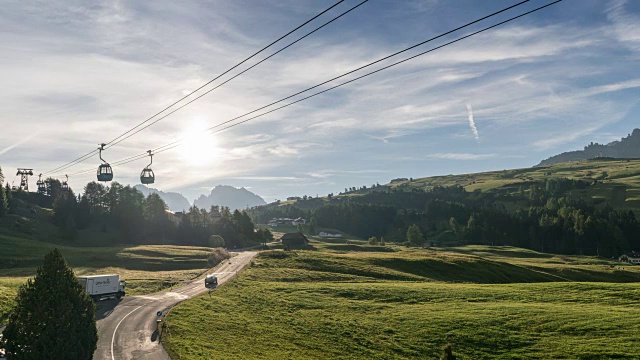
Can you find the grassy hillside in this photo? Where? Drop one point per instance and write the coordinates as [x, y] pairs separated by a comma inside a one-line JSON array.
[[146, 268], [618, 180], [351, 301]]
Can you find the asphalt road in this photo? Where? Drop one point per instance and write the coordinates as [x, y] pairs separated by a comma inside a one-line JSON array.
[[127, 328]]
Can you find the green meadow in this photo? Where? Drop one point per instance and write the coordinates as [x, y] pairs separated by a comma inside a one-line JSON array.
[[146, 268], [343, 301]]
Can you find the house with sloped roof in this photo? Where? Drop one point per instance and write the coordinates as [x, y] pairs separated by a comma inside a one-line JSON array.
[[294, 240], [631, 258]]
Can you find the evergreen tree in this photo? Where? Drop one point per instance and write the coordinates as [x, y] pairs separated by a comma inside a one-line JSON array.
[[8, 193], [414, 235], [4, 204], [54, 318]]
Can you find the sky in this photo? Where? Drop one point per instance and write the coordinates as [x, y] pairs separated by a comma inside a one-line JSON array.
[[78, 73]]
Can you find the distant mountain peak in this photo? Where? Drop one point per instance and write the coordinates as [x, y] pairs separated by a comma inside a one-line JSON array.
[[230, 196], [627, 147], [175, 201]]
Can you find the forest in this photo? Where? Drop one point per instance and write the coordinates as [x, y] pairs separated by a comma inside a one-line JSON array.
[[136, 219], [543, 216]]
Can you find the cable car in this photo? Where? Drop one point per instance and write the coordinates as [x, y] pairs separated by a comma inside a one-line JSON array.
[[147, 176], [65, 184], [105, 173], [42, 186]]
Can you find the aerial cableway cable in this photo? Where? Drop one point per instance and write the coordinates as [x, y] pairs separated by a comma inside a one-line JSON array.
[[90, 154], [365, 66], [242, 72], [177, 143]]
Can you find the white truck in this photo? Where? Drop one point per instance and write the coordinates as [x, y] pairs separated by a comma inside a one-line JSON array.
[[103, 286]]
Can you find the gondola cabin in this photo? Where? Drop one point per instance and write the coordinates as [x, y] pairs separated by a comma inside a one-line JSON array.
[[147, 176], [105, 173]]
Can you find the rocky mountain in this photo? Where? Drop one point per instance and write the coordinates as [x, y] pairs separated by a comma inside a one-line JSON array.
[[627, 147], [230, 196], [175, 201]]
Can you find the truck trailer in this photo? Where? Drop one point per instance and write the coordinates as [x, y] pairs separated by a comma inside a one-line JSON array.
[[103, 286]]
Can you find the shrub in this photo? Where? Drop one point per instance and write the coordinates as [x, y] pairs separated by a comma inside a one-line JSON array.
[[216, 241], [217, 256]]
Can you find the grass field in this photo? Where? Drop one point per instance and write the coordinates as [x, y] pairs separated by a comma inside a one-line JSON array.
[[146, 268], [350, 301]]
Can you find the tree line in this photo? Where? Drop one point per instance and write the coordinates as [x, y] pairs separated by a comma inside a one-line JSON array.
[[547, 217], [136, 218]]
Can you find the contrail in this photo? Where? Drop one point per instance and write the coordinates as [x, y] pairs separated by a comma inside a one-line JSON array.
[[10, 147], [472, 123]]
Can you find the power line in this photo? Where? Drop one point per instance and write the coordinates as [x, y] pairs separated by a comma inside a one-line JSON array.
[[86, 156], [176, 143]]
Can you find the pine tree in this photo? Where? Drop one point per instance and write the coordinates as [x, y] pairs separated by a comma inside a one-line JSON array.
[[4, 204], [54, 318], [414, 235], [8, 193]]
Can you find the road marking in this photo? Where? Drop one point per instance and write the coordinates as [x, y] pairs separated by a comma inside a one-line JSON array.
[[113, 338]]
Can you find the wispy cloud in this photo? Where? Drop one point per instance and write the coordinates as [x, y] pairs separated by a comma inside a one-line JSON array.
[[472, 123], [15, 145], [460, 156]]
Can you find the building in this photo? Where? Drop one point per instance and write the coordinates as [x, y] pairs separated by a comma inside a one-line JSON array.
[[327, 235], [175, 217], [299, 221], [632, 258], [294, 240], [294, 198], [286, 222]]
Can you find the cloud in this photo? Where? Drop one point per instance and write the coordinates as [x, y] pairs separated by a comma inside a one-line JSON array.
[[283, 151], [626, 26], [460, 156], [472, 124], [20, 142]]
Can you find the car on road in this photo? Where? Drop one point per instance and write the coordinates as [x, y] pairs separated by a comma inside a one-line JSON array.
[[211, 282]]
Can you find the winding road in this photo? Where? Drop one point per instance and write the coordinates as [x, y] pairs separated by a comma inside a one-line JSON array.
[[127, 328]]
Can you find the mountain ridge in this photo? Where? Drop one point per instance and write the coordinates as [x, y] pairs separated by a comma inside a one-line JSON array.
[[626, 147], [229, 196], [175, 201]]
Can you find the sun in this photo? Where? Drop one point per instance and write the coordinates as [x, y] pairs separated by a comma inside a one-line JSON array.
[[198, 148]]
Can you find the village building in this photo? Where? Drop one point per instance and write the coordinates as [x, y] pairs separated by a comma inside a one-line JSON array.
[[631, 258], [294, 240]]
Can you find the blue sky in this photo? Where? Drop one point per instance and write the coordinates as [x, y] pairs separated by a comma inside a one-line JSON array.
[[76, 75]]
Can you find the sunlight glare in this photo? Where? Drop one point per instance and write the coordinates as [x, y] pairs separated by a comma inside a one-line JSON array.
[[198, 148]]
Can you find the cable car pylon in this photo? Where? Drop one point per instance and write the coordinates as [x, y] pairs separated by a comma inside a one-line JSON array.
[[24, 178], [105, 173], [147, 176]]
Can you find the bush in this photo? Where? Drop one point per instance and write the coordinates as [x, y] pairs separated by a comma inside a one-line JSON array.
[[217, 256], [216, 241], [373, 240]]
